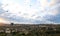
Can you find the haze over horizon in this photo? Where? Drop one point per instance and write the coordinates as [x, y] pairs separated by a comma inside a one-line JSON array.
[[30, 11]]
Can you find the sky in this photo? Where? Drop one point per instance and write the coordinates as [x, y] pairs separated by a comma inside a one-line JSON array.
[[30, 11]]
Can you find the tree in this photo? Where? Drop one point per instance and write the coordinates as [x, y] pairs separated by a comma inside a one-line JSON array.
[[12, 24]]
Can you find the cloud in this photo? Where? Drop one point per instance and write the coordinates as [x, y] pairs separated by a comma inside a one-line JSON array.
[[54, 19], [29, 11]]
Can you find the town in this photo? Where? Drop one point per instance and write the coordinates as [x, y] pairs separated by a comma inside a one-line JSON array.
[[30, 30]]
